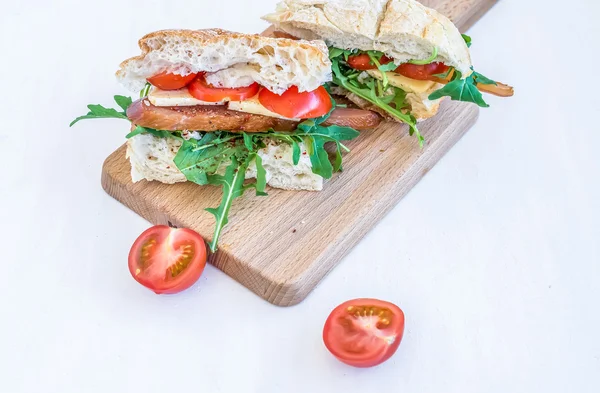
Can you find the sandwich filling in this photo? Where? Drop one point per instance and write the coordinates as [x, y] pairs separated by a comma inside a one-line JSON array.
[[224, 135], [400, 90]]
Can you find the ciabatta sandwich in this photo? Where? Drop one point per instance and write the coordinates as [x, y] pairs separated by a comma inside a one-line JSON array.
[[218, 107], [396, 57]]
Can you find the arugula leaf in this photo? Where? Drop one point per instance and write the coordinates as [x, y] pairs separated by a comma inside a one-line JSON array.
[[144, 92], [295, 152], [467, 40], [138, 130], [261, 175], [482, 79], [426, 61], [197, 160], [346, 77], [248, 142], [461, 90], [100, 112], [123, 102], [202, 161], [232, 183]]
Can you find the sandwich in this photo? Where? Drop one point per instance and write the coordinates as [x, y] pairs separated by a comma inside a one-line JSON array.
[[397, 57], [218, 108]]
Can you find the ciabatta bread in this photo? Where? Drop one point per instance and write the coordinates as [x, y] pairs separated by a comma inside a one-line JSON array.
[[151, 159], [236, 59], [402, 29]]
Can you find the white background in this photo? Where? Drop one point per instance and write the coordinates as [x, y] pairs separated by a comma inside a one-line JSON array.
[[494, 256]]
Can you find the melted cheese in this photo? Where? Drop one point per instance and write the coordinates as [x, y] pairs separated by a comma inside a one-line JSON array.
[[406, 84], [179, 97], [252, 105]]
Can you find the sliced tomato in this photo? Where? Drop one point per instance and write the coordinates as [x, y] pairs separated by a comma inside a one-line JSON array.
[[421, 72], [203, 91], [364, 332], [363, 62], [296, 105], [165, 81], [167, 260]]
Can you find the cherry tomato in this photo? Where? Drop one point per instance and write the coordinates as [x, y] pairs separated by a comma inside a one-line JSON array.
[[363, 62], [167, 260], [364, 332], [201, 90], [292, 104], [421, 72], [165, 81]]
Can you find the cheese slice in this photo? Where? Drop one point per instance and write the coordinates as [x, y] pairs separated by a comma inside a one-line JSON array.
[[179, 97], [182, 97], [406, 84], [252, 105]]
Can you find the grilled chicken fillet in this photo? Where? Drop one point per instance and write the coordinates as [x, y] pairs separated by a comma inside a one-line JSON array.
[[219, 118]]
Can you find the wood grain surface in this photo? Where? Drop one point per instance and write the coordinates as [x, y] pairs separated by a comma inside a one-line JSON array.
[[281, 246]]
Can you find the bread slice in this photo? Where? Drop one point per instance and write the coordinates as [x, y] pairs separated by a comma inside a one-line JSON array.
[[151, 159], [275, 63], [403, 29]]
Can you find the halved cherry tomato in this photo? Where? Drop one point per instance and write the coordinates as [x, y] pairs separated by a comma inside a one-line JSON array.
[[201, 90], [364, 332], [165, 81], [363, 62], [292, 104], [421, 72], [167, 260]]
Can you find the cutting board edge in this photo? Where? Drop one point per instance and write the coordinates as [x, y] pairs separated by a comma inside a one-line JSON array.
[[296, 288]]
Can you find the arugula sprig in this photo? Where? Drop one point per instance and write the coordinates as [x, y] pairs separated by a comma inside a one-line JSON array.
[[371, 89], [467, 40], [202, 161], [466, 90], [100, 112]]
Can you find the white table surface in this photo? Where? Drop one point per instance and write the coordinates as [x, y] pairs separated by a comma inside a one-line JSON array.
[[494, 256]]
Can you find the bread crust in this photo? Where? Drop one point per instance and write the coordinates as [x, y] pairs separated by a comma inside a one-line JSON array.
[[402, 29], [209, 50]]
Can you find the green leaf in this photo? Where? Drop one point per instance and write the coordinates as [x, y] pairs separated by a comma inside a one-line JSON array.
[[319, 158], [467, 40], [232, 183], [337, 164], [123, 102], [198, 160], [391, 66], [367, 91], [375, 61], [335, 52], [461, 90], [144, 92], [261, 175], [162, 133], [138, 130], [295, 152], [426, 61], [248, 142], [482, 79], [100, 112]]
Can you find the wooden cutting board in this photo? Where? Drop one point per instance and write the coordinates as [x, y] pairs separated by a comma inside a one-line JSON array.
[[281, 246]]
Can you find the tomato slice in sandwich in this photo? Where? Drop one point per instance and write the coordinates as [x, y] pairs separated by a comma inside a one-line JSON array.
[[364, 332], [296, 105], [203, 91], [166, 81], [167, 260]]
